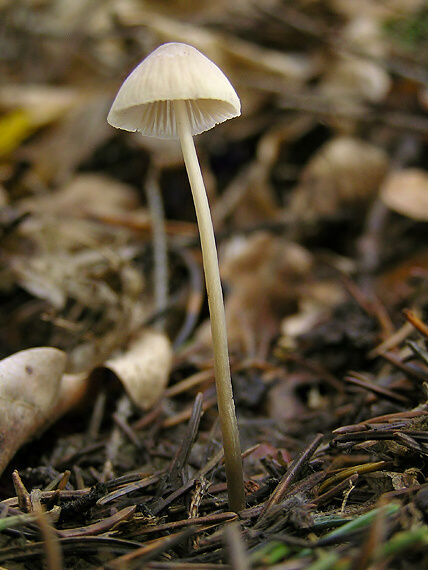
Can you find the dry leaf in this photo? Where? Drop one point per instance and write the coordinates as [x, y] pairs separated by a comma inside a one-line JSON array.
[[29, 109], [72, 391], [86, 194], [406, 192], [344, 173], [233, 55], [319, 298], [144, 368], [43, 104], [82, 268], [59, 151], [355, 79], [57, 277], [34, 393], [264, 276], [364, 35], [29, 391]]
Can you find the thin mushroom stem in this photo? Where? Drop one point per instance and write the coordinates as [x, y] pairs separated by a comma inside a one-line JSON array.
[[226, 406]]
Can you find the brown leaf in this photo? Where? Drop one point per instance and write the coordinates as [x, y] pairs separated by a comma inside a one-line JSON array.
[[406, 192], [29, 391], [344, 173], [265, 277], [355, 79], [86, 194], [144, 368]]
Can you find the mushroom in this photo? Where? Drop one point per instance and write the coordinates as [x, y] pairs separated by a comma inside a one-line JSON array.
[[175, 93]]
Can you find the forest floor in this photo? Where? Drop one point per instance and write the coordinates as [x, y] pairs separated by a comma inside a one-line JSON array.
[[110, 446]]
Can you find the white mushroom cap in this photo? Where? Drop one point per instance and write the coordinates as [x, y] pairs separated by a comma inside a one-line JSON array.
[[174, 71]]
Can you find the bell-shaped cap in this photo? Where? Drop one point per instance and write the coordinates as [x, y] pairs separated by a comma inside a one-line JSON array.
[[174, 71]]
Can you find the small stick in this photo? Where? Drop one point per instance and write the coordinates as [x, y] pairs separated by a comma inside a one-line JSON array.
[[173, 474], [291, 474], [24, 500], [413, 318]]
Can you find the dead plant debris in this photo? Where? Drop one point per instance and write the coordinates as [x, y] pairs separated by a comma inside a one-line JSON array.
[[110, 445]]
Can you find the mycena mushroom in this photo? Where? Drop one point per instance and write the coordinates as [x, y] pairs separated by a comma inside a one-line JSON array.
[[175, 93]]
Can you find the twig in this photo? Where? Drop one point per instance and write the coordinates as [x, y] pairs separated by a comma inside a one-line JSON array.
[[291, 474], [174, 473], [149, 551], [211, 520], [24, 500], [102, 526], [358, 379], [414, 319]]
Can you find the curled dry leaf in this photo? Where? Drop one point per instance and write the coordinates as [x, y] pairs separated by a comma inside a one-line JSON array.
[[69, 141], [144, 368], [355, 79], [43, 104], [265, 278], [365, 35], [344, 173], [29, 391], [72, 391], [86, 194], [84, 275], [56, 278], [320, 297], [234, 56], [406, 192], [30, 108]]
